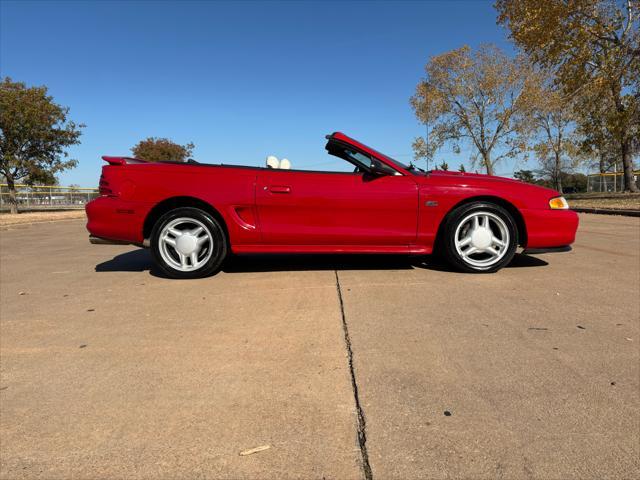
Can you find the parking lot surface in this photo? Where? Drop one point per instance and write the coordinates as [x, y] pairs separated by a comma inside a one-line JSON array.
[[345, 367]]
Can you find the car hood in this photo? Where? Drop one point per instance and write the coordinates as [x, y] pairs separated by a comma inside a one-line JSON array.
[[488, 181]]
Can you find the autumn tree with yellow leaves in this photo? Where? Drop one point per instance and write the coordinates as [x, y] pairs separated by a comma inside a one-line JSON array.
[[483, 97], [556, 144], [593, 46]]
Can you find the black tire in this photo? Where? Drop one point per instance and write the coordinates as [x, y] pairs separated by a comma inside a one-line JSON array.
[[459, 218], [218, 244]]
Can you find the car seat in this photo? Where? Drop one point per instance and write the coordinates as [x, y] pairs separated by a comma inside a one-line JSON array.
[[272, 162]]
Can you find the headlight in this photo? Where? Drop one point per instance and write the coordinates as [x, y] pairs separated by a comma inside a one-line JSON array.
[[558, 203]]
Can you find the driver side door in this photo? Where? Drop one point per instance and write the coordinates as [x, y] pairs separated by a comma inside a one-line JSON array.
[[309, 208]]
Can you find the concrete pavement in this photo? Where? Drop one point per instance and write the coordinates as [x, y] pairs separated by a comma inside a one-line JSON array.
[[538, 366], [108, 370]]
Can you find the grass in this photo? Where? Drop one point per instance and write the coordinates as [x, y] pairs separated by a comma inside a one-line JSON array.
[[8, 219], [614, 201]]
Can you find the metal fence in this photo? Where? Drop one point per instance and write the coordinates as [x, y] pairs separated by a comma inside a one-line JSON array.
[[609, 182], [47, 197]]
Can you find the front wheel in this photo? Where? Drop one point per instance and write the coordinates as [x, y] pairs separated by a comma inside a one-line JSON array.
[[188, 243], [480, 237]]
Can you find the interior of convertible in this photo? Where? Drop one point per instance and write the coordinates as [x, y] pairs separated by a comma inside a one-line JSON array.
[[357, 161], [345, 158]]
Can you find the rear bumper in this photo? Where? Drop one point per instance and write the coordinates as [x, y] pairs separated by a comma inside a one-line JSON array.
[[550, 228], [106, 241], [112, 220]]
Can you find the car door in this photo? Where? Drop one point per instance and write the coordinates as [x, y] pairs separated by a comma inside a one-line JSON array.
[[298, 207]]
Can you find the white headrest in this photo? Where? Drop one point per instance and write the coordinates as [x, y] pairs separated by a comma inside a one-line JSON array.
[[272, 162], [285, 164]]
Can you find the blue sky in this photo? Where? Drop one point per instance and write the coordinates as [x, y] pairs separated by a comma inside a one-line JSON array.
[[241, 80]]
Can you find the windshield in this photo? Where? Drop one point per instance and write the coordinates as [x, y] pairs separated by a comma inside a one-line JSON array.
[[411, 167], [361, 158]]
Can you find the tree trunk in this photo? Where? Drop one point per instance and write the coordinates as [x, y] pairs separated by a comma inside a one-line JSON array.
[[627, 167], [486, 159], [625, 143], [557, 179], [13, 202], [603, 165]]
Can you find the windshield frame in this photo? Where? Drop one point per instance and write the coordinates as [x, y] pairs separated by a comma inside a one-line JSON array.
[[397, 165]]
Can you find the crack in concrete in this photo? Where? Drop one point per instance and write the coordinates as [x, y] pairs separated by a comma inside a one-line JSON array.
[[362, 424]]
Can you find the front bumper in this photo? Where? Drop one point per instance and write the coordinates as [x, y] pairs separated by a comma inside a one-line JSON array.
[[550, 228]]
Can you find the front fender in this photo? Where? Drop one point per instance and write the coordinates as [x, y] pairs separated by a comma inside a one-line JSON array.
[[435, 203]]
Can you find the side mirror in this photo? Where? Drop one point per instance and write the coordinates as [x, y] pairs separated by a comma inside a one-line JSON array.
[[378, 168]]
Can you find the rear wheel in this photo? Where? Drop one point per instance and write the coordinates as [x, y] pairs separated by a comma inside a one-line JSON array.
[[480, 237], [188, 243]]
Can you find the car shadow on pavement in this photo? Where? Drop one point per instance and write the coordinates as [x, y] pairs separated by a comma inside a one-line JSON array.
[[137, 260], [302, 262], [140, 260]]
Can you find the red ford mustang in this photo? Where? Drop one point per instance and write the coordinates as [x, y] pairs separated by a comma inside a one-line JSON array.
[[193, 215]]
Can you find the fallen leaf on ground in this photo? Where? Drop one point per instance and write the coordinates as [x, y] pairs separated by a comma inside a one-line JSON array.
[[255, 450]]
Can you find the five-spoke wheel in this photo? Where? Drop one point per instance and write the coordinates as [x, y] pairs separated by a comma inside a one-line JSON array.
[[188, 243], [480, 237], [185, 244]]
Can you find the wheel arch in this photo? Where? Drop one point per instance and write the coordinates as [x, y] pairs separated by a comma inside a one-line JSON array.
[[172, 203], [508, 206]]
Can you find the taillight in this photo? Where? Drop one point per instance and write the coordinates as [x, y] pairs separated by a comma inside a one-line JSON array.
[[103, 187]]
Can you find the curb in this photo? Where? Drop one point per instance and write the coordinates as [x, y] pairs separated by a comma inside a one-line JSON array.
[[608, 211]]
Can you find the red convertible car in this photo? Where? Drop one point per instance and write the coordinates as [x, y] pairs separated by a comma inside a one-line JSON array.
[[193, 215]]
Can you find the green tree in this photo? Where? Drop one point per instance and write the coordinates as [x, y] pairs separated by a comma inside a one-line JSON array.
[[594, 46], [481, 97], [525, 176], [35, 133], [574, 182], [444, 166], [462, 169], [155, 149]]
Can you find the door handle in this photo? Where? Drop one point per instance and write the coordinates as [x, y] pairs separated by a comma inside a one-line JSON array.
[[280, 189]]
